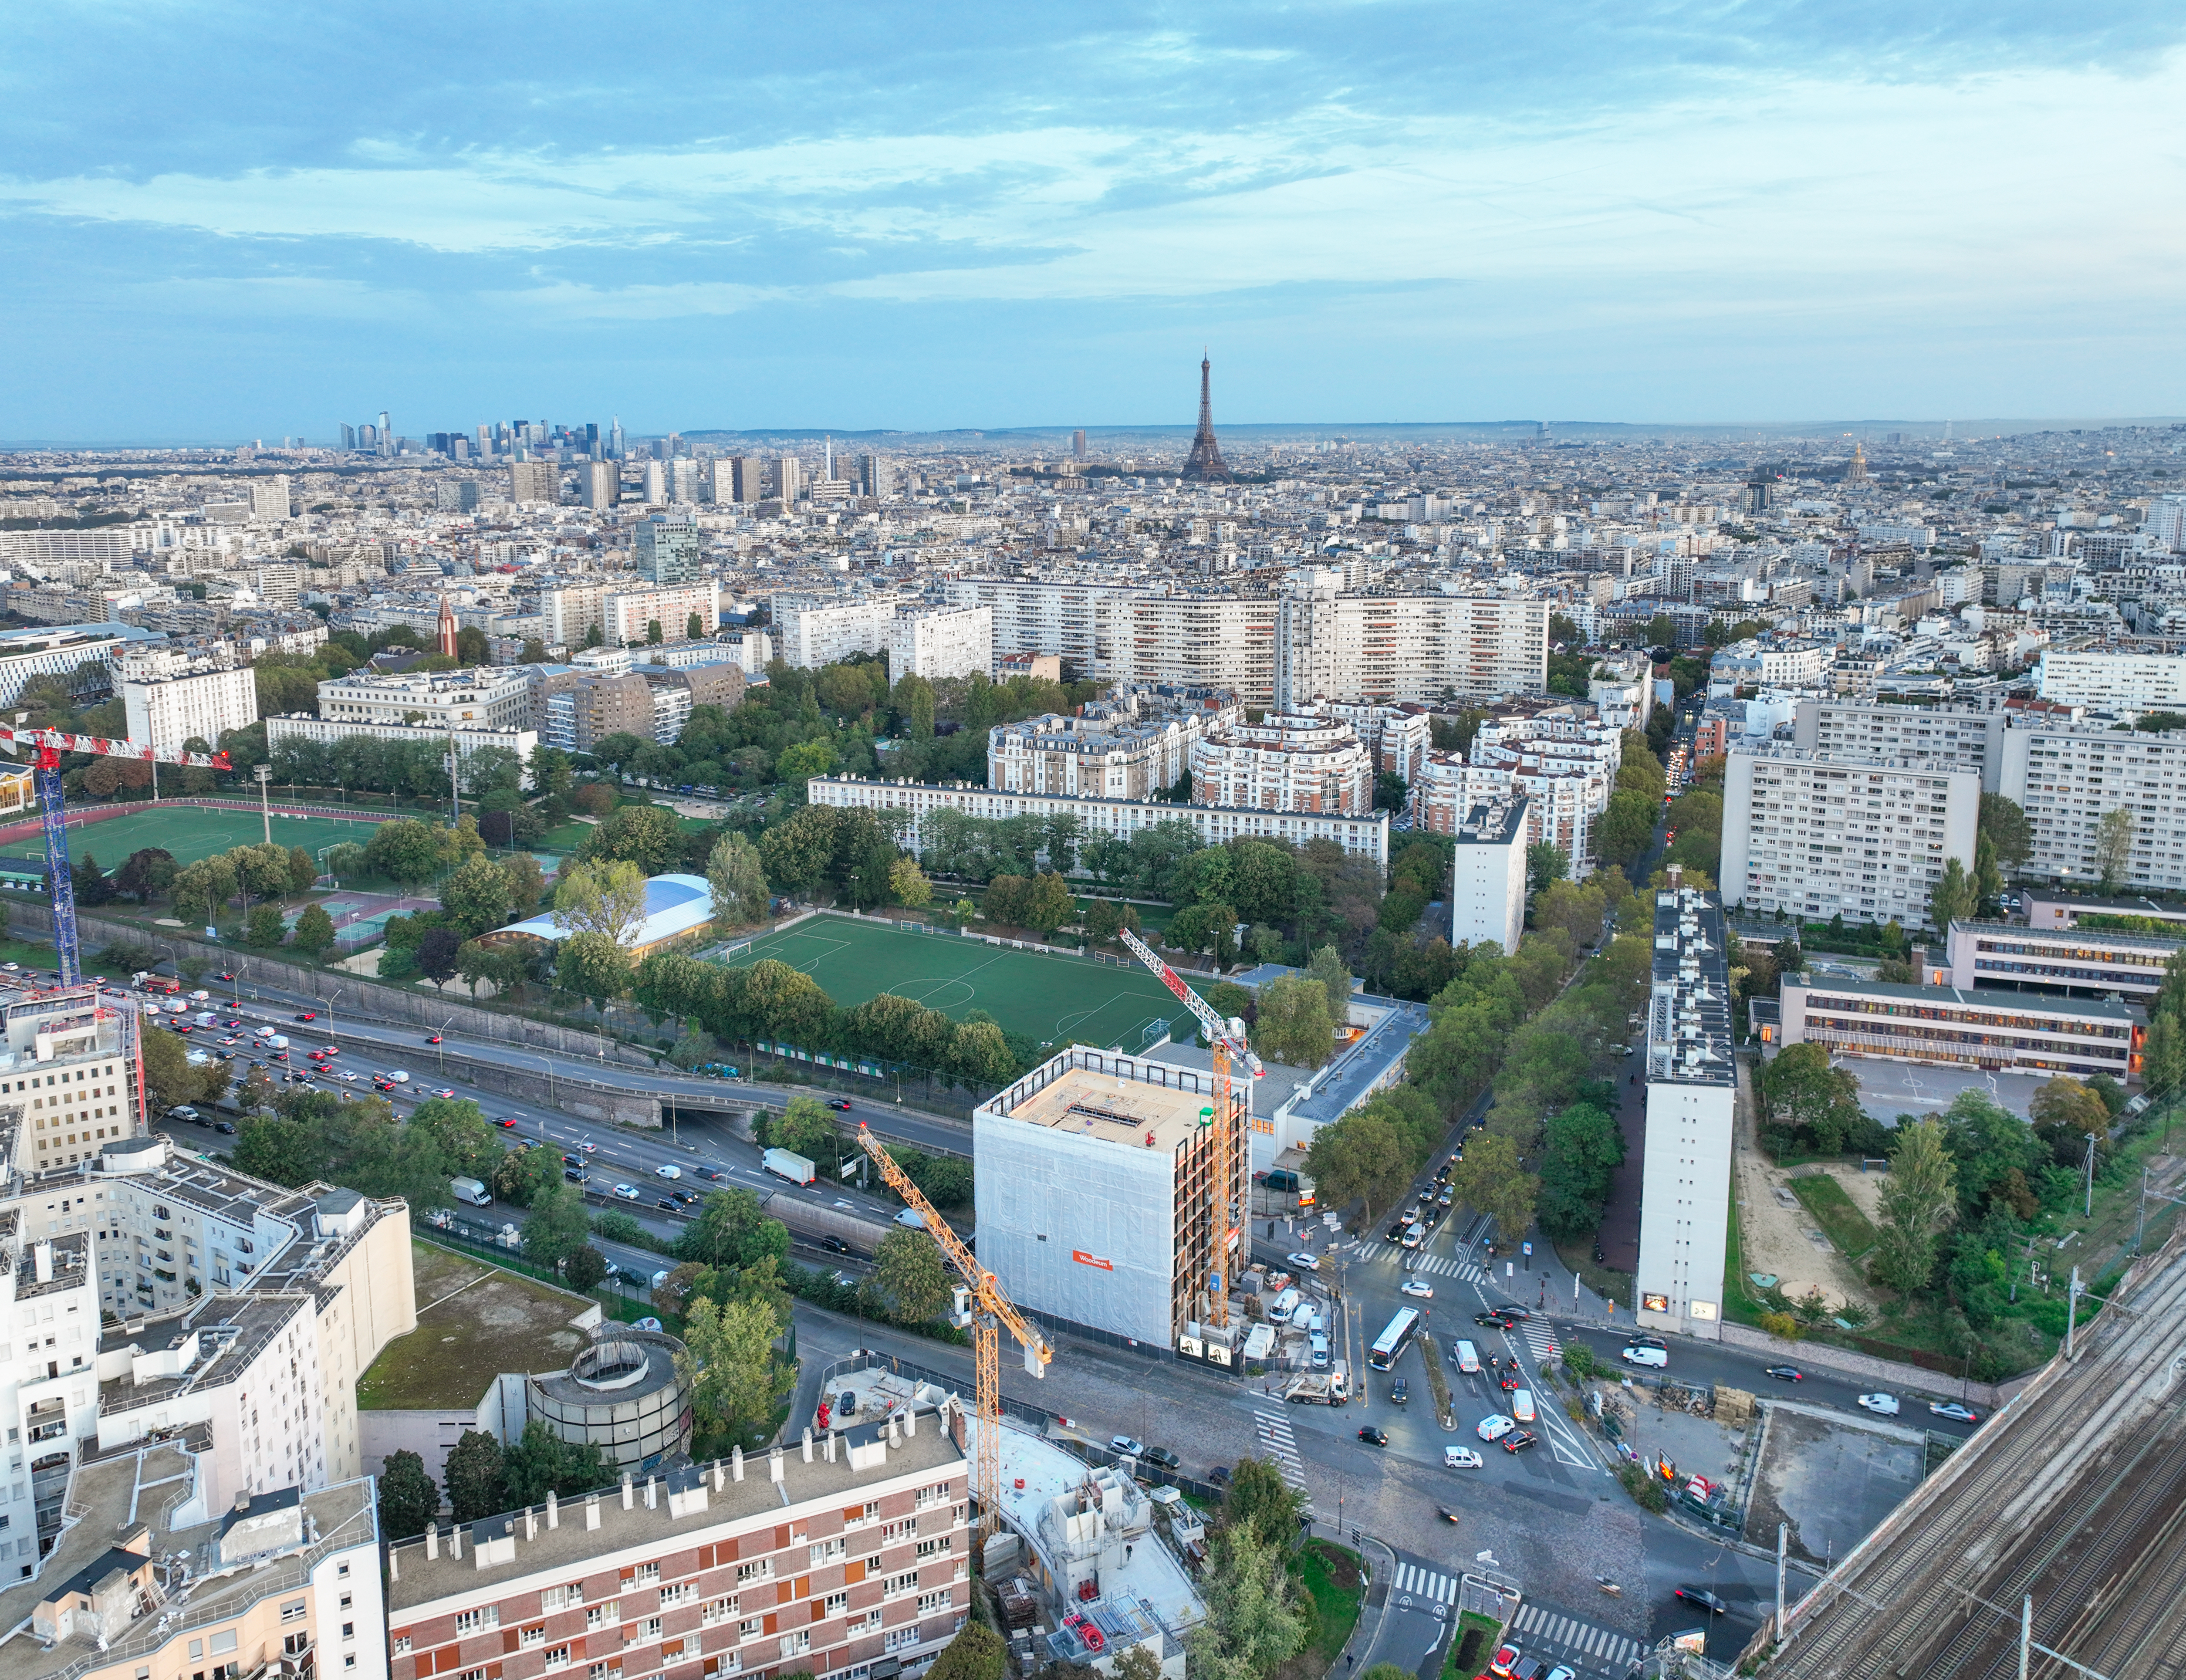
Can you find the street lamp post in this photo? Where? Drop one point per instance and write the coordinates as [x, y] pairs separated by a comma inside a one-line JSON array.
[[265, 775]]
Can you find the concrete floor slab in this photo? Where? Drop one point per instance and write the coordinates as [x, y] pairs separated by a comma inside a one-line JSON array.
[[1831, 1477]]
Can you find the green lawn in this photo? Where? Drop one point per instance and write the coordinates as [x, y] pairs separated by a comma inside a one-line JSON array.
[[1836, 1214], [189, 833], [1331, 1576], [1049, 999]]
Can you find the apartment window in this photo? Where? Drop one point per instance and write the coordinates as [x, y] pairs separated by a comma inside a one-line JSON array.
[[750, 1628], [648, 1631], [401, 1645], [838, 1603], [645, 1575], [603, 1616], [898, 1585], [717, 1610], [470, 1621], [931, 1603], [604, 1671], [559, 1598], [679, 1593], [927, 1549], [828, 1551], [534, 1635], [293, 1611], [558, 1657], [899, 1530], [796, 1643], [762, 1570]]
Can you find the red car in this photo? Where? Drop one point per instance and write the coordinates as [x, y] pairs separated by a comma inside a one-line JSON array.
[[331, 1049]]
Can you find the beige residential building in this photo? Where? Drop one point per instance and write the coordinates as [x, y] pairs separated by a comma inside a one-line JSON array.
[[534, 481], [628, 616], [483, 698], [165, 712], [572, 613], [1129, 745], [1288, 761], [1390, 648]]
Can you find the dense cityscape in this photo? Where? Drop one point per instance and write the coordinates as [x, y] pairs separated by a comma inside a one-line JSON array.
[[1258, 888]]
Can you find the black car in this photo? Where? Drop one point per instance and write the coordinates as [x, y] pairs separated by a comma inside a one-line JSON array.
[[572, 1161], [575, 1175], [1219, 1476], [666, 1204], [1494, 1320], [840, 1105], [683, 1198], [1784, 1373], [225, 1127], [1373, 1437], [1160, 1455], [1400, 1392], [834, 1244], [1519, 1440], [1706, 1600], [707, 1172]]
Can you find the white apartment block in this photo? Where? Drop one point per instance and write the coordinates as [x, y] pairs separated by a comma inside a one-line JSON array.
[[1622, 690], [1817, 836], [1366, 836], [1560, 804], [1692, 1096], [1487, 877], [468, 739], [58, 650], [808, 635], [1129, 745], [1120, 634], [628, 616], [1287, 762], [164, 712], [1768, 664], [1392, 649], [480, 698], [2138, 682], [269, 499], [937, 646], [1941, 737], [1396, 738], [2068, 776], [571, 613]]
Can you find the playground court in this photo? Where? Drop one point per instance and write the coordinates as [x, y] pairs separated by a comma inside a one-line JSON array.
[[188, 831], [1047, 998]]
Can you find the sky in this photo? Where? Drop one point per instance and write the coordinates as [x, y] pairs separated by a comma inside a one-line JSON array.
[[241, 219]]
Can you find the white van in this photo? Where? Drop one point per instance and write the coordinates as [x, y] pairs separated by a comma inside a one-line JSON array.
[[1317, 1345], [1654, 1358], [1280, 1309], [1468, 1358], [1415, 1234], [1521, 1405]]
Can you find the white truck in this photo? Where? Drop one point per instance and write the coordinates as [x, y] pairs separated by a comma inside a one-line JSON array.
[[471, 1190], [1319, 1388], [788, 1164]]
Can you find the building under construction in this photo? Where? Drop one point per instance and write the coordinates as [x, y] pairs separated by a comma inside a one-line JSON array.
[[1103, 1199]]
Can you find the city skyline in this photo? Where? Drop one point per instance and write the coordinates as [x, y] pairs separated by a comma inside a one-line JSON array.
[[1668, 217]]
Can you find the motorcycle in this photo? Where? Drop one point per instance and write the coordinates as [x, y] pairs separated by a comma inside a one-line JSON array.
[[1609, 1587], [1446, 1514]]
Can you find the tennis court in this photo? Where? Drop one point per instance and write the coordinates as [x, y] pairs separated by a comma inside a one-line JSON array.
[[1044, 997], [189, 833]]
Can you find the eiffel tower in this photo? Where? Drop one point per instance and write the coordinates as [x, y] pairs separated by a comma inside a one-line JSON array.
[[1205, 465]]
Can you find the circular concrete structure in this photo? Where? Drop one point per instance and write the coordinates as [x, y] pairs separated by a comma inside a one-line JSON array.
[[622, 1394]]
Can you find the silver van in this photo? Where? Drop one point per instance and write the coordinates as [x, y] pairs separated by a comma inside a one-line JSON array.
[[1280, 1309], [1654, 1358]]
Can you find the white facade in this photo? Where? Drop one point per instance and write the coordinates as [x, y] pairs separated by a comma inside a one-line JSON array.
[[809, 636], [1692, 1095], [1814, 835], [1399, 648], [269, 498], [165, 712], [629, 617], [1128, 745], [468, 701], [937, 646], [2115, 681], [1366, 835], [1487, 877], [1944, 737], [1286, 762], [2068, 775]]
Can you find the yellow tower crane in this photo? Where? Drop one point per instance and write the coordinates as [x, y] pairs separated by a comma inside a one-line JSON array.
[[981, 1299], [1211, 1268]]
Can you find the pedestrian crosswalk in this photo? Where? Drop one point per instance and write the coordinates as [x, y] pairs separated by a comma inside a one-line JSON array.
[[1422, 1582], [1537, 1625], [1433, 1266], [1280, 1444], [1541, 1339]]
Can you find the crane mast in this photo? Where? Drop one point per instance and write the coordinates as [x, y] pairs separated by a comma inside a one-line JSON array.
[[49, 744], [1227, 1043], [992, 1310]]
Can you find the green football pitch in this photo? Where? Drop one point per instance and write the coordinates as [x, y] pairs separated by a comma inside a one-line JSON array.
[[191, 832], [1047, 998]]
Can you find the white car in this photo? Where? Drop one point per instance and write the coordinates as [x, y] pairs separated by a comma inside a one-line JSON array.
[[1126, 1446], [1418, 1287], [1886, 1404], [588, 1146], [1304, 1262], [1461, 1459], [1496, 1426], [668, 1170], [349, 1076], [628, 1192]]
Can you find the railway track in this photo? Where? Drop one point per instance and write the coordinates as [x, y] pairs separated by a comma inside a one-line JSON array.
[[1899, 1604]]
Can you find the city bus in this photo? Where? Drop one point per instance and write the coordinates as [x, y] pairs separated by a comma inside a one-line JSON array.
[[1387, 1350]]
